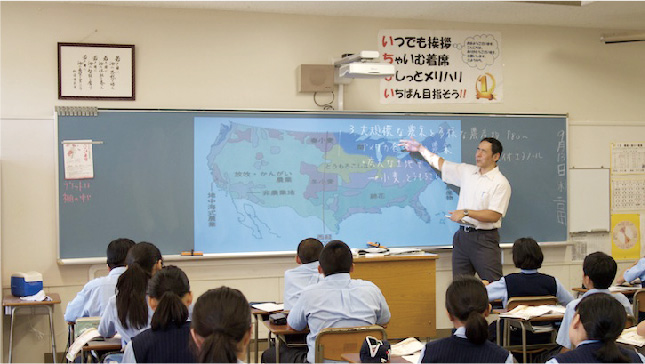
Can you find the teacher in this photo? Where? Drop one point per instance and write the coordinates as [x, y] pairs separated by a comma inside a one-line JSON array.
[[483, 201]]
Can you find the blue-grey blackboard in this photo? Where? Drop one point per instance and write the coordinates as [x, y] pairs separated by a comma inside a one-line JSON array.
[[258, 182]]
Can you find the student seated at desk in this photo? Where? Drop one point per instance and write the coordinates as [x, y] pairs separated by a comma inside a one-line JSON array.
[[93, 298], [336, 301], [597, 323], [128, 312], [166, 341], [528, 257], [599, 270], [221, 326], [467, 306], [636, 271], [305, 274]]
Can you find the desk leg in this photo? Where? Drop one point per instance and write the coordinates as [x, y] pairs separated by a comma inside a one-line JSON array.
[[497, 325], [248, 353], [277, 348], [70, 339], [13, 314], [51, 331], [257, 344], [523, 341]]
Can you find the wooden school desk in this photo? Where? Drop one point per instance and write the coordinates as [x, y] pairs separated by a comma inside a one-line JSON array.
[[356, 358], [281, 332], [408, 283], [13, 304], [258, 315], [525, 325], [100, 345], [627, 291]]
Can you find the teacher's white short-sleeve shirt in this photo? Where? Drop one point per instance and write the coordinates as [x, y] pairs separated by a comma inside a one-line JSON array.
[[490, 191]]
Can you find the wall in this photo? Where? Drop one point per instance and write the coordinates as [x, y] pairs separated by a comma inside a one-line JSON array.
[[200, 59]]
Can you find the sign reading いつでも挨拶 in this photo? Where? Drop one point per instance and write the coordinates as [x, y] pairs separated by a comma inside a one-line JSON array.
[[441, 66]]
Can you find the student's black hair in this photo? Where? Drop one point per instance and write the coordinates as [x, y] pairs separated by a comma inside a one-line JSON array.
[[527, 254], [600, 268], [117, 251], [168, 287], [309, 250], [131, 287], [336, 257], [467, 300], [603, 318], [496, 145], [221, 316]]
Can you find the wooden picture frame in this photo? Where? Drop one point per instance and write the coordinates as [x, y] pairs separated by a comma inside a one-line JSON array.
[[88, 71]]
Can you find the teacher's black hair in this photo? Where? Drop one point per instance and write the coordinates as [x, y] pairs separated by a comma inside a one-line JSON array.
[[496, 145]]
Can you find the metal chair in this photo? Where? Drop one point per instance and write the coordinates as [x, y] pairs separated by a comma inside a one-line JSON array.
[[332, 342], [527, 325], [639, 305], [630, 322]]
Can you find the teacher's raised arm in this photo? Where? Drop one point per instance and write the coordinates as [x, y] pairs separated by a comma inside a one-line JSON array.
[[414, 146]]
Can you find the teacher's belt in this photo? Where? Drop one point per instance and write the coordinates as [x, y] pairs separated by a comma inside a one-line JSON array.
[[469, 229]]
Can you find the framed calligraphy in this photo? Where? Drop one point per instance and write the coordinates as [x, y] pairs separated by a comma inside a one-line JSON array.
[[88, 71]]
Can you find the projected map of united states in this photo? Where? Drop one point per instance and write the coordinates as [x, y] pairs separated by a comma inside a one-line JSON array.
[[274, 183]]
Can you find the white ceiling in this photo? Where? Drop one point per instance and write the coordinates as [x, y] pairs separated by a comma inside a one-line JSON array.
[[603, 15]]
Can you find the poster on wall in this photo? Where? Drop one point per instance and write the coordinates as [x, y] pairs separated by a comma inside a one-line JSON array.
[[625, 236], [78, 160], [441, 66], [628, 158]]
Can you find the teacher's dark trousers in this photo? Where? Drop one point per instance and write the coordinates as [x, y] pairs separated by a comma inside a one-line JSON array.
[[477, 251]]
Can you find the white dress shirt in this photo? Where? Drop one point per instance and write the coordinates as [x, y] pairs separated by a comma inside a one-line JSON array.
[[337, 301], [563, 332], [637, 271], [296, 279], [489, 191], [110, 323], [93, 298]]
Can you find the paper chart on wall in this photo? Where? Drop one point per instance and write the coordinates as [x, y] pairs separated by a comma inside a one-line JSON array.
[[628, 158], [78, 160], [628, 193]]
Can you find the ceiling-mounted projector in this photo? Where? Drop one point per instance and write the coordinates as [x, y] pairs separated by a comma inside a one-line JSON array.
[[366, 70], [364, 64]]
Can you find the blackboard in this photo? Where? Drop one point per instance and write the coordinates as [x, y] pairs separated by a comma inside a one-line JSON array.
[[149, 179]]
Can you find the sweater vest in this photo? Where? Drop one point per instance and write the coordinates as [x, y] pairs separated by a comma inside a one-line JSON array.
[[530, 284], [459, 350], [584, 354], [164, 346]]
